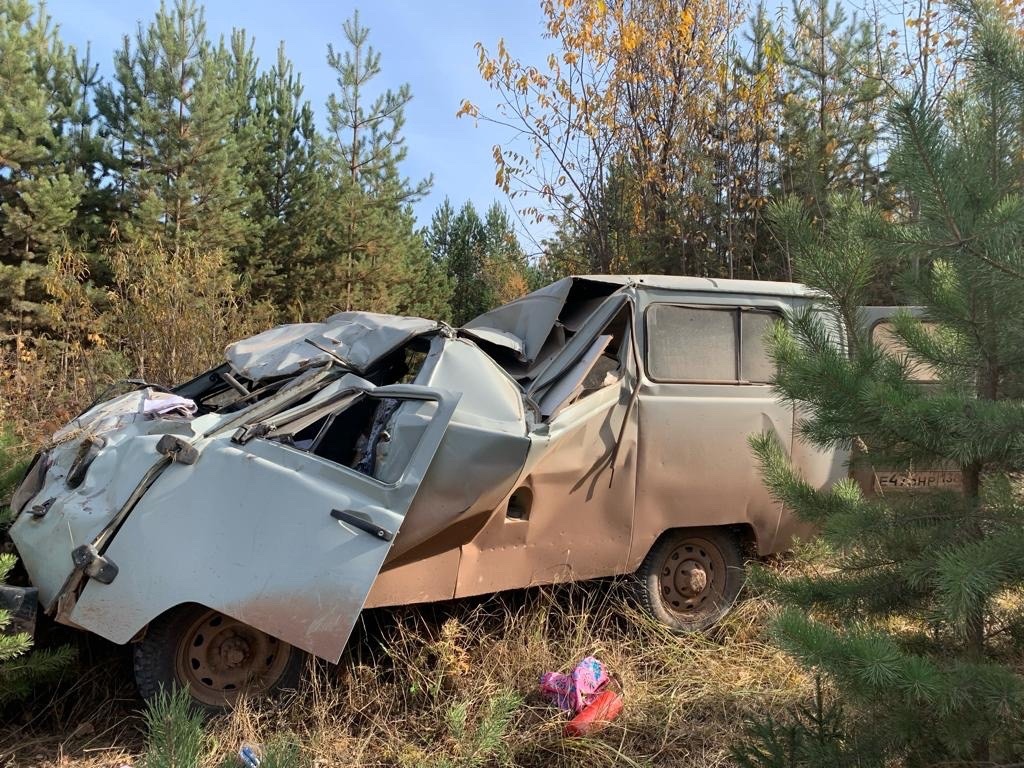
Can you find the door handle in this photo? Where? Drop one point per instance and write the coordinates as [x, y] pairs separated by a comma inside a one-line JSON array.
[[362, 522]]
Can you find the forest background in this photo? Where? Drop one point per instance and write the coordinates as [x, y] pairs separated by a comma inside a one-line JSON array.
[[193, 196]]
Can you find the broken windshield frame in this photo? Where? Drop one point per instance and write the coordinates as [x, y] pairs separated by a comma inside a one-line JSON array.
[[337, 397]]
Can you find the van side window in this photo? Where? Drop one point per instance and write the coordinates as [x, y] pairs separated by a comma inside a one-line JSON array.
[[691, 343], [755, 365], [708, 344]]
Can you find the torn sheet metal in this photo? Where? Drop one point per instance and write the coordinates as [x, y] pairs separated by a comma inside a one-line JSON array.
[[536, 327], [528, 321], [357, 338]]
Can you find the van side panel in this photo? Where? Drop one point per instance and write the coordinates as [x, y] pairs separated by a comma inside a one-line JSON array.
[[821, 469], [578, 523], [695, 467], [423, 580]]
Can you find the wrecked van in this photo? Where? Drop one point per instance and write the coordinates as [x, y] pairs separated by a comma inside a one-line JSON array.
[[598, 426]]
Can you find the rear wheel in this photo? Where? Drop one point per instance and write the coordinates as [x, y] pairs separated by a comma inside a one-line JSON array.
[[214, 656], [691, 578]]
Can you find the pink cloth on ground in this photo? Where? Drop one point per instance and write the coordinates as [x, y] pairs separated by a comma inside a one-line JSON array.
[[574, 691]]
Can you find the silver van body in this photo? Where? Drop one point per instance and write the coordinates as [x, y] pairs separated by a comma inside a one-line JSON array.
[[373, 460]]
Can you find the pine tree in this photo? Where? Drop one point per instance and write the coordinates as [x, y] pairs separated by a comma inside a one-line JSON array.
[[97, 206], [39, 190], [425, 290], [910, 619], [833, 103], [173, 155], [465, 263], [287, 187], [481, 258], [447, 239], [369, 228], [506, 270], [438, 235]]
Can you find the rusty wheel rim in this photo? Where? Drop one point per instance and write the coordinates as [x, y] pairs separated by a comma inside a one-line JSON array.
[[692, 578], [219, 657]]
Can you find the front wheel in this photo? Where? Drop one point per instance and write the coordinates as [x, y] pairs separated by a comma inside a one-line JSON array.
[[214, 656], [691, 578]]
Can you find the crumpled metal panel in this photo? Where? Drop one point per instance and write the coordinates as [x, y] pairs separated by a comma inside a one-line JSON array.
[[497, 338], [358, 338], [482, 452], [74, 516], [581, 474], [529, 319], [247, 530], [577, 345]]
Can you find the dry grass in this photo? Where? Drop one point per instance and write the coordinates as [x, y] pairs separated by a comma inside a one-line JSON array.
[[454, 685]]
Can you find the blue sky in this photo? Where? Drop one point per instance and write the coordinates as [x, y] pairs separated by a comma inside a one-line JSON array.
[[427, 44]]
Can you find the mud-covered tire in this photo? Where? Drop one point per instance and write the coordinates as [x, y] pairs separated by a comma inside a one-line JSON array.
[[691, 578], [214, 657]]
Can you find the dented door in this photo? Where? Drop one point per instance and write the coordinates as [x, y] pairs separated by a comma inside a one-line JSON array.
[[282, 539], [705, 390], [571, 513]]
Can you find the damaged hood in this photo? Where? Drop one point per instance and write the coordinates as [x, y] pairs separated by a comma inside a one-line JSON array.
[[358, 338]]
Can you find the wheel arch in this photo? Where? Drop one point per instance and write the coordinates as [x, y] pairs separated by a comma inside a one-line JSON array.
[[140, 635], [744, 532]]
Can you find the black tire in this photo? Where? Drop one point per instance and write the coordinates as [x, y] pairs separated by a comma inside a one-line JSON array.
[[214, 657], [691, 578]]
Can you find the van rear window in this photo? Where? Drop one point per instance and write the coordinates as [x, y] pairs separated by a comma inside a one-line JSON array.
[[708, 344]]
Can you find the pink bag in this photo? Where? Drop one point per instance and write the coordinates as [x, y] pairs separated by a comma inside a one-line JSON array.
[[573, 692]]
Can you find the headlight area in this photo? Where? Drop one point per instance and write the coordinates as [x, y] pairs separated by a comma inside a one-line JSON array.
[[31, 483]]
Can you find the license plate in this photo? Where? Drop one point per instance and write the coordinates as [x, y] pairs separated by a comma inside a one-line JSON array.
[[921, 478]]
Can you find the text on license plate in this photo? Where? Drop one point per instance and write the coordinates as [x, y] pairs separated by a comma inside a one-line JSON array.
[[924, 478]]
